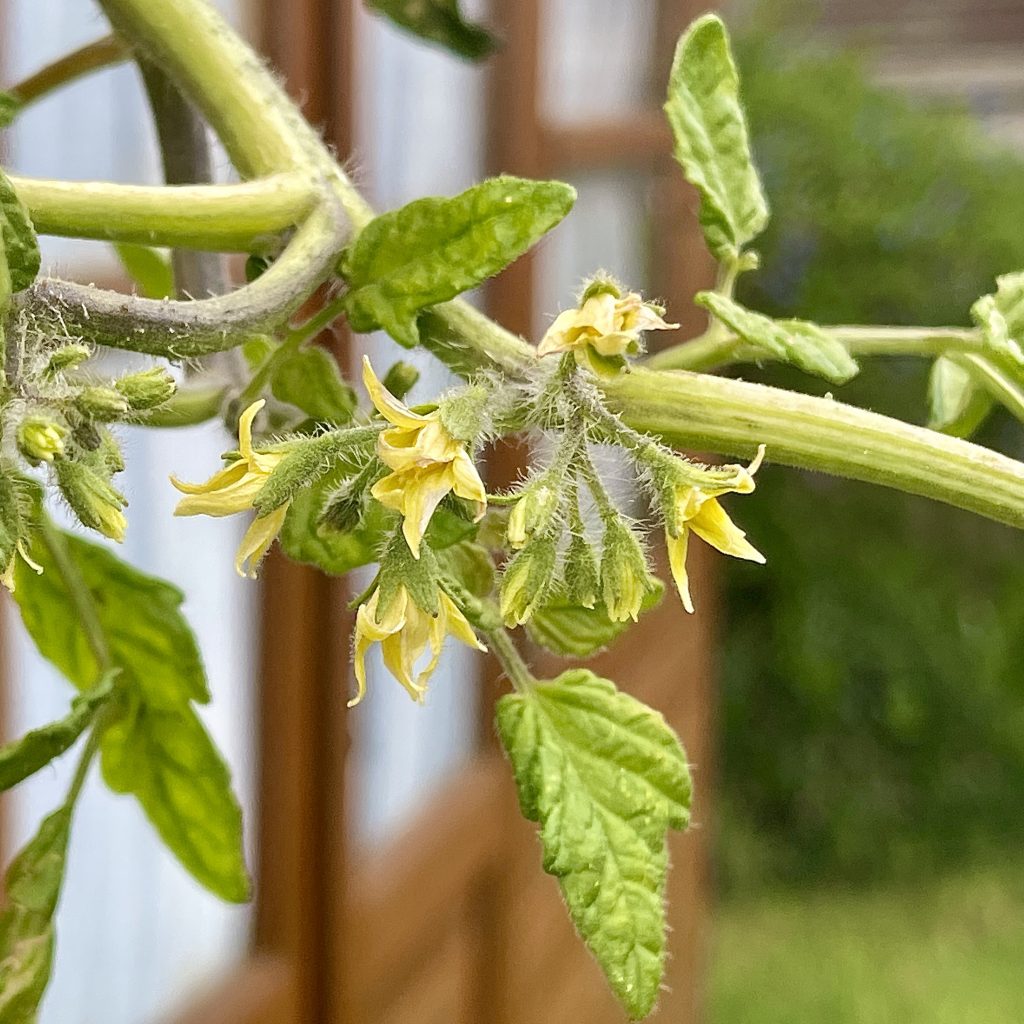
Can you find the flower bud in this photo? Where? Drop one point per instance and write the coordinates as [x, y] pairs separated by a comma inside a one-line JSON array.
[[582, 583], [67, 358], [146, 389], [101, 403], [401, 379], [92, 497], [533, 512], [625, 577], [343, 511], [527, 580], [464, 412], [40, 438]]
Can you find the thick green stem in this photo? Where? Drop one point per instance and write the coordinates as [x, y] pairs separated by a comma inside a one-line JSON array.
[[246, 217], [93, 56], [733, 417]]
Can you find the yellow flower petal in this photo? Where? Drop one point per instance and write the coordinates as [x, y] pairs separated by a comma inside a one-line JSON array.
[[457, 624], [467, 483], [245, 428], [387, 405], [677, 561], [257, 541], [713, 525]]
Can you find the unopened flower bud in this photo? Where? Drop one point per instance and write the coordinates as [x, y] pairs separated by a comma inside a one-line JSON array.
[[401, 379], [464, 413], [101, 403], [67, 358], [533, 512], [146, 389], [582, 583], [92, 497], [625, 577], [343, 510], [527, 580], [40, 438]]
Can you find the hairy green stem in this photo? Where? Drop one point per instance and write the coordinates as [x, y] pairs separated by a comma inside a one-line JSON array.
[[511, 661], [247, 217], [100, 53], [733, 417]]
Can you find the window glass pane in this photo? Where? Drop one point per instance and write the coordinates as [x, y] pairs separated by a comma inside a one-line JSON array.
[[595, 57]]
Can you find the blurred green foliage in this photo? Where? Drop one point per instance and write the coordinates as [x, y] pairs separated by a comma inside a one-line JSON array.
[[873, 704]]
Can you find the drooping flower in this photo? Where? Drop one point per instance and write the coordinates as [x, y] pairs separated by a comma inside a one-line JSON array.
[[696, 508], [233, 489], [425, 460], [603, 329], [404, 632]]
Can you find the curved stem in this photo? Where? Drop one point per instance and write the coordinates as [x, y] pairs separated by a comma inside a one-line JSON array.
[[511, 661], [100, 53], [733, 417], [225, 218], [184, 330]]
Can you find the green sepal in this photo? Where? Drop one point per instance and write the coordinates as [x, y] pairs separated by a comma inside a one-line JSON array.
[[439, 21], [470, 565], [606, 778], [711, 139], [19, 237], [305, 538], [36, 749], [571, 631], [436, 248], [310, 380], [957, 403], [32, 883], [799, 342], [149, 268], [419, 576]]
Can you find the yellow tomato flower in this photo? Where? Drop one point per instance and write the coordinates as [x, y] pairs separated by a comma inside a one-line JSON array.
[[697, 508], [233, 489], [404, 631], [608, 325], [426, 462]]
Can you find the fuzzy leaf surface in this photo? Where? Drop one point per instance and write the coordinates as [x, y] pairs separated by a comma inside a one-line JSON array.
[[606, 778], [436, 248]]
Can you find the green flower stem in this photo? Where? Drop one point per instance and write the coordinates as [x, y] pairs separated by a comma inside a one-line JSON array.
[[191, 404], [246, 217], [733, 417], [504, 650], [98, 54], [713, 350]]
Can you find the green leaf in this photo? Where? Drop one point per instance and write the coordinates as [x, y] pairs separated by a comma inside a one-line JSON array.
[[310, 380], [19, 237], [711, 141], [439, 21], [140, 617], [957, 402], [470, 565], [1001, 318], [436, 248], [160, 751], [149, 268], [575, 632], [799, 342], [165, 758], [33, 884], [606, 778], [10, 107], [304, 539], [24, 757]]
